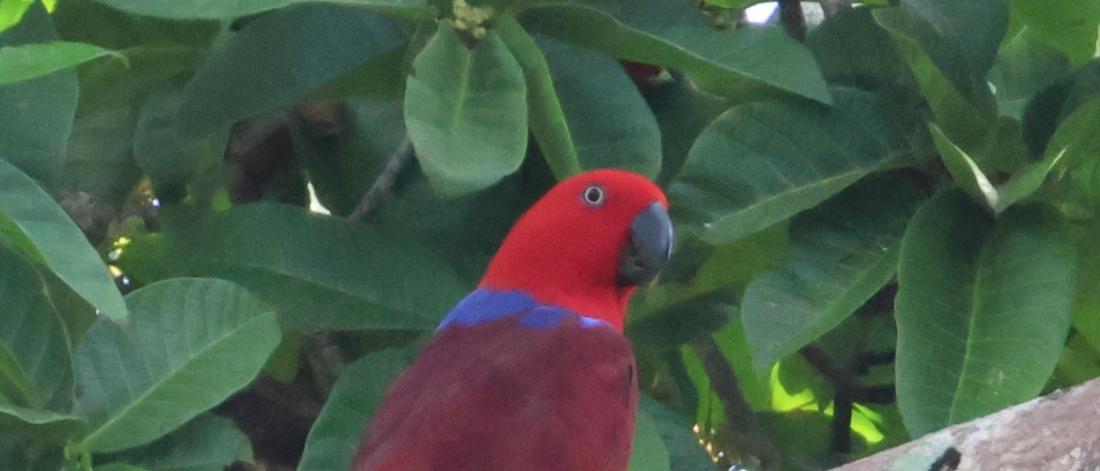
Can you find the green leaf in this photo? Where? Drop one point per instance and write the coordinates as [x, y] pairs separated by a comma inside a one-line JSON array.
[[609, 120], [176, 163], [959, 98], [841, 254], [974, 28], [1076, 136], [37, 115], [30, 61], [35, 360], [281, 57], [761, 163], [12, 11], [741, 63], [682, 112], [1024, 66], [101, 159], [45, 425], [545, 115], [206, 443], [681, 322], [188, 345], [649, 451], [227, 9], [329, 273], [983, 309], [354, 399], [466, 111], [1069, 25], [684, 451], [120, 467], [59, 243], [1026, 181], [343, 169], [964, 170], [854, 50]]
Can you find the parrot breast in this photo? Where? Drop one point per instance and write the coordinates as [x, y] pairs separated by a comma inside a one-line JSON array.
[[509, 384]]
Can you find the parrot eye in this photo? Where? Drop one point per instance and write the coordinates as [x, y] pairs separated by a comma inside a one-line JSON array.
[[594, 195]]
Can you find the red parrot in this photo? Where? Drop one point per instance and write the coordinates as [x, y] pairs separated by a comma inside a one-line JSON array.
[[531, 371]]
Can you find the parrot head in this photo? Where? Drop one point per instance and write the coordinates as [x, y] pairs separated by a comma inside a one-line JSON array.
[[587, 244]]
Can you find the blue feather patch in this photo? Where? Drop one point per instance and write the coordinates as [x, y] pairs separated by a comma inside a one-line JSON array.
[[484, 305]]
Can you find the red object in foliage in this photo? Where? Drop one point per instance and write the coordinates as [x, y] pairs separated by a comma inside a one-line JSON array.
[[531, 371]]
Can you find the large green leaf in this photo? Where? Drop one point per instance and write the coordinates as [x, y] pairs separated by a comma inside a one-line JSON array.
[[684, 451], [227, 9], [329, 273], [610, 122], [176, 163], [207, 443], [983, 309], [741, 63], [35, 360], [1024, 67], [281, 57], [959, 98], [19, 63], [1071, 26], [36, 115], [964, 170], [545, 115], [854, 50], [58, 243], [761, 163], [466, 111], [355, 397], [188, 345], [649, 452], [972, 27], [53, 427], [841, 253], [682, 112]]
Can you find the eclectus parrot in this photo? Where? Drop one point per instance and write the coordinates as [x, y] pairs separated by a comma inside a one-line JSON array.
[[531, 371]]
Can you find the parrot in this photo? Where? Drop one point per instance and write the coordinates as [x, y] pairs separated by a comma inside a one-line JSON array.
[[531, 370]]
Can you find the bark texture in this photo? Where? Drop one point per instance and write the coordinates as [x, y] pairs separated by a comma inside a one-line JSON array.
[[1058, 432]]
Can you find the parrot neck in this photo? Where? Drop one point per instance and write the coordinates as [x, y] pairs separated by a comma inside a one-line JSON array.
[[486, 305], [605, 303]]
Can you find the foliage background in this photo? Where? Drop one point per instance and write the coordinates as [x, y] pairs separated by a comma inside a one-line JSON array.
[[887, 224]]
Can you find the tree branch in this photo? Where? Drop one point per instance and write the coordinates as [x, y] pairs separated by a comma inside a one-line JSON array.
[[385, 181], [1057, 432], [790, 15], [748, 434]]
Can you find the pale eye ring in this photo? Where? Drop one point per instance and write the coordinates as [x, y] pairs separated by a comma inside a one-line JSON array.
[[594, 195]]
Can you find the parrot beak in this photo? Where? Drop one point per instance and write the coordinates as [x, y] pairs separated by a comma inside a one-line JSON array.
[[649, 249]]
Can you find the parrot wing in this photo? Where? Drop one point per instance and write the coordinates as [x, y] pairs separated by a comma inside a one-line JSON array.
[[504, 396]]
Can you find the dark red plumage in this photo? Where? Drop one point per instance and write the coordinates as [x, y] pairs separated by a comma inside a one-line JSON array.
[[463, 406]]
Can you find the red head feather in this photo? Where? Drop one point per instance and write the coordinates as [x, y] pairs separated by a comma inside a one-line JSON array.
[[565, 249]]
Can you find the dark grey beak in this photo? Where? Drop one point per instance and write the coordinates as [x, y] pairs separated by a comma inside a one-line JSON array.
[[649, 249]]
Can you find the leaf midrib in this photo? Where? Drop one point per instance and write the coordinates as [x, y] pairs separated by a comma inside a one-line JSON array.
[[156, 385], [974, 311]]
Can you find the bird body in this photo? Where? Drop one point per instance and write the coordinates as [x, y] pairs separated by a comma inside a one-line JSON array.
[[571, 408], [531, 371]]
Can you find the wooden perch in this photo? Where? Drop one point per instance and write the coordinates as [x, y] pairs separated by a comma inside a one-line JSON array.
[[1057, 432]]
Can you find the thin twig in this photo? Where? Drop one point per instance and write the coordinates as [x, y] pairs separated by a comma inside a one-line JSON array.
[[385, 181], [746, 429]]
